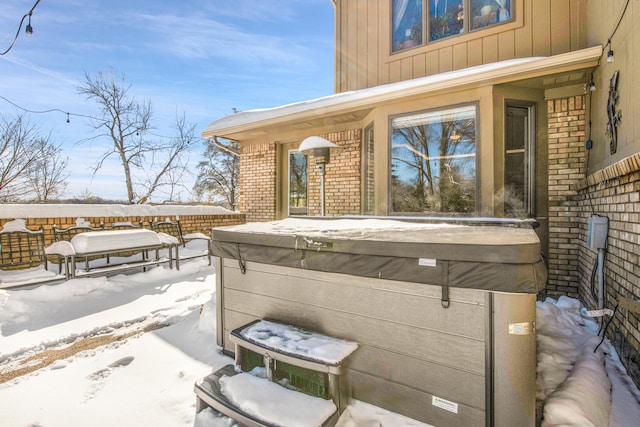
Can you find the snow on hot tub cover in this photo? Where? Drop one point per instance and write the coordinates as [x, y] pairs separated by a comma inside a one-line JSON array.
[[489, 255]]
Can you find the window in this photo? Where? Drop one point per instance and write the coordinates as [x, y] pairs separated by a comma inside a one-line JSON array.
[[519, 161], [298, 202], [367, 162], [433, 161], [407, 24], [445, 18]]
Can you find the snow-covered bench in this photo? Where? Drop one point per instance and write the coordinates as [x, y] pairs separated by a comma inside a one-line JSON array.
[[105, 243], [283, 375]]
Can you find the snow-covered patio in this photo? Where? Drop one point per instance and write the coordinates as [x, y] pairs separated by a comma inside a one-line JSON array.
[[158, 334]]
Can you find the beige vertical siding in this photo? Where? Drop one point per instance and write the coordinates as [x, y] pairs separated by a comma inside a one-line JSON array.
[[363, 59]]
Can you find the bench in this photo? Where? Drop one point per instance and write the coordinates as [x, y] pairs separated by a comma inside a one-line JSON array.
[[66, 234], [22, 249], [306, 362], [23, 258], [109, 242], [173, 228]]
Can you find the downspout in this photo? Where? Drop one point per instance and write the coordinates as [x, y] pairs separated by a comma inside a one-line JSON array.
[[225, 147]]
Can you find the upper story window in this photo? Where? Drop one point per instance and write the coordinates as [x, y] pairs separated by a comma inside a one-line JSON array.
[[443, 19]]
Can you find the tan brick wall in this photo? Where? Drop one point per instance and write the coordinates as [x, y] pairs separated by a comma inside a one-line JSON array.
[[190, 223], [567, 156], [342, 176], [258, 181], [614, 192]]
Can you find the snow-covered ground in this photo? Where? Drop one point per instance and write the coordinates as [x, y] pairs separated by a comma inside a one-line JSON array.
[[126, 350]]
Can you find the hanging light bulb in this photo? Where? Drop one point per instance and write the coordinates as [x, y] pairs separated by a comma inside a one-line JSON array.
[[29, 28], [610, 57], [592, 86]]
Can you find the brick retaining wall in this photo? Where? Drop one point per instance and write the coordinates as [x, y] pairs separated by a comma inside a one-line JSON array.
[[190, 223]]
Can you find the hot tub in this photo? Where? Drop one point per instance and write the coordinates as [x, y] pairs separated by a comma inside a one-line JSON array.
[[444, 313]]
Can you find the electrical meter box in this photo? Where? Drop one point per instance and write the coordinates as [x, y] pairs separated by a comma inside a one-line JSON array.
[[597, 230]]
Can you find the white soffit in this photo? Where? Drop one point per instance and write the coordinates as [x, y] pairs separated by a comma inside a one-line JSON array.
[[495, 73]]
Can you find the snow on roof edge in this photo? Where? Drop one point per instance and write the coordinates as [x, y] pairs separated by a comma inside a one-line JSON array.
[[251, 116]]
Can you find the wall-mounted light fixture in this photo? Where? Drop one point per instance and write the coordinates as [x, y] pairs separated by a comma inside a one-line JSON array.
[[320, 148]]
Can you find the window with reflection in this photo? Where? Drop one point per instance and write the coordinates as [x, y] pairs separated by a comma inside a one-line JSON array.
[[485, 13], [298, 166], [413, 20], [433, 161], [446, 18], [406, 20]]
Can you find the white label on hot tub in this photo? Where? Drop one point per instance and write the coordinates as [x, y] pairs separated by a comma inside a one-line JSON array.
[[447, 405], [426, 262], [521, 328]]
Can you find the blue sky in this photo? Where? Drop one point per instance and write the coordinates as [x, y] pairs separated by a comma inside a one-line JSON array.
[[200, 57]]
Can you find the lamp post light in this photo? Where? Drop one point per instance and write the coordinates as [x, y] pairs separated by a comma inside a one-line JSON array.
[[320, 148]]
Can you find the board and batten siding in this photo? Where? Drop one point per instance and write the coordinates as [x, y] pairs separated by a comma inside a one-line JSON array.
[[410, 348], [362, 37]]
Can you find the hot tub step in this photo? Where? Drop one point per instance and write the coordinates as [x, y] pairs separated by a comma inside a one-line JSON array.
[[260, 402]]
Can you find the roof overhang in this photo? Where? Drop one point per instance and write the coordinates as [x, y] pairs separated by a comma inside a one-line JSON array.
[[354, 105]]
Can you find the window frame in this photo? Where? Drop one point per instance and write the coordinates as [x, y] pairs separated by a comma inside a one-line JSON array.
[[515, 20], [530, 157], [289, 153], [368, 165], [477, 165]]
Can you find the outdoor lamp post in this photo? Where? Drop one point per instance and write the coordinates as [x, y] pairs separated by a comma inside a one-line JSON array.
[[320, 148]]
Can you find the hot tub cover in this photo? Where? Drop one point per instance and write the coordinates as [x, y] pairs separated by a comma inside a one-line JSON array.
[[492, 255]]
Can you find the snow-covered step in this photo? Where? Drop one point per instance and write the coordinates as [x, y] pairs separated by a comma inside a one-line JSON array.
[[290, 360], [258, 402], [290, 344]]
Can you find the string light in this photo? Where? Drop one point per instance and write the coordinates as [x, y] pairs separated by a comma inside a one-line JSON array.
[[28, 29], [69, 114], [610, 57]]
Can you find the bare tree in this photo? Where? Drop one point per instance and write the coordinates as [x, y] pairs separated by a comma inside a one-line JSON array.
[[219, 174], [22, 152], [149, 162], [47, 175]]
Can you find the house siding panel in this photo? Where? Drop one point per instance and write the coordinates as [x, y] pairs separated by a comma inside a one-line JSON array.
[[556, 26]]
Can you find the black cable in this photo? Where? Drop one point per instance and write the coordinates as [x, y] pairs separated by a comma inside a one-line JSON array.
[[593, 278], [604, 334], [20, 28]]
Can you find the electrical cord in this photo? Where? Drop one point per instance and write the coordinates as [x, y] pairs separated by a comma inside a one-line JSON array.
[[28, 14], [604, 333]]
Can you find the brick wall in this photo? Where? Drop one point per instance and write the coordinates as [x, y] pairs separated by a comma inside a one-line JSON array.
[[614, 192], [258, 181], [567, 160], [342, 176], [190, 223]]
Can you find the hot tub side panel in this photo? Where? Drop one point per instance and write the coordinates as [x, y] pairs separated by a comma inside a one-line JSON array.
[[411, 348]]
